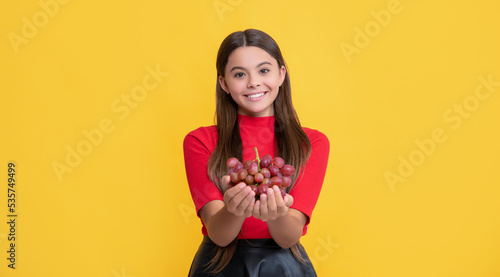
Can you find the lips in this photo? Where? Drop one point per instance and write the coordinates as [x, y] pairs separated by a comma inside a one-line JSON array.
[[256, 96]]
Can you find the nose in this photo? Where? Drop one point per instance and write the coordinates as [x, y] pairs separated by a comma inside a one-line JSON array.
[[253, 81]]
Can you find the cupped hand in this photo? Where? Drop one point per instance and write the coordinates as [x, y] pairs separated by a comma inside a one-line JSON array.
[[272, 205], [239, 199]]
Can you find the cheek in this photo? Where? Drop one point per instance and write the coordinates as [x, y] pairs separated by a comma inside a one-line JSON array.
[[274, 82], [236, 87]]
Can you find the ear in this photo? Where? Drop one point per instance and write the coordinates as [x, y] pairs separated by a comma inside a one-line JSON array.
[[223, 84], [282, 74]]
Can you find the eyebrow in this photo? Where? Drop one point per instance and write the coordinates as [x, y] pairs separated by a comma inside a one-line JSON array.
[[242, 68]]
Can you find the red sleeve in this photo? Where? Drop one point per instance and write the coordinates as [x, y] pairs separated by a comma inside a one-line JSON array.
[[306, 191], [198, 146]]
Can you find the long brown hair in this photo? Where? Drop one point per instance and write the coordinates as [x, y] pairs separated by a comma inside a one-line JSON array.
[[293, 144]]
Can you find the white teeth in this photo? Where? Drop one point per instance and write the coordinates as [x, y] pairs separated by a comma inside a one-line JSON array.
[[255, 95]]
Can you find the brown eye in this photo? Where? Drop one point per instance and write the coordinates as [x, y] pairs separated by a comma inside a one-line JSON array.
[[264, 71]]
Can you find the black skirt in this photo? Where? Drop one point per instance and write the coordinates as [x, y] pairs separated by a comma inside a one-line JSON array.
[[253, 258]]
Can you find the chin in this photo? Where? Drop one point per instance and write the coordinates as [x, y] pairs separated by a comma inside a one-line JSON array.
[[258, 113]]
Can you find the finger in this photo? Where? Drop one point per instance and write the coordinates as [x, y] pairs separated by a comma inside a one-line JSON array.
[[241, 195], [232, 192], [225, 181], [249, 209], [263, 207], [279, 199], [234, 204], [281, 208], [256, 209], [247, 200], [288, 200], [271, 202]]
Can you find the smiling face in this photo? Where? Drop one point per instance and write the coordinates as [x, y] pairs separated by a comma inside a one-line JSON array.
[[252, 78]]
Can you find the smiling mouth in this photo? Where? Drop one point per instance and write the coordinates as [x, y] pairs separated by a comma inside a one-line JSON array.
[[256, 95]]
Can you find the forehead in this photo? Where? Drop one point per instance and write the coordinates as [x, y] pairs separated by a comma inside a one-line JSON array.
[[249, 57]]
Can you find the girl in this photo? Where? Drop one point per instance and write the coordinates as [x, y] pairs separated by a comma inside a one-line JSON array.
[[244, 236]]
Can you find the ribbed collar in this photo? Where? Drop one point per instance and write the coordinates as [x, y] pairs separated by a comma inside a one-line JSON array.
[[246, 120]]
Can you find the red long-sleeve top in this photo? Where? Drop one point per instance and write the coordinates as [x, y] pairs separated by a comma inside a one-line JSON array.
[[255, 132]]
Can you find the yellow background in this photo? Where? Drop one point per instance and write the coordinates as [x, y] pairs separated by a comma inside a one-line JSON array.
[[124, 209]]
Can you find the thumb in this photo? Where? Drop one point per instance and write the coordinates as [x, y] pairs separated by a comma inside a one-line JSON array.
[[288, 200], [226, 180]]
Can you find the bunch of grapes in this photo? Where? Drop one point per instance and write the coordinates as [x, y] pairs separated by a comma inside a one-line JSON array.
[[261, 173]]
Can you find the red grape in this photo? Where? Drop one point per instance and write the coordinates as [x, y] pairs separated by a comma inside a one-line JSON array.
[[279, 162], [276, 181], [288, 170], [242, 174], [249, 180], [287, 181], [232, 162], [255, 188], [238, 167], [274, 170], [263, 188], [266, 181], [258, 177], [247, 164], [283, 192], [266, 161], [235, 177], [254, 169], [266, 172]]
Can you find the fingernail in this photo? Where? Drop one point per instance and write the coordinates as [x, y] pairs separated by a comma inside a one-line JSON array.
[[241, 185]]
